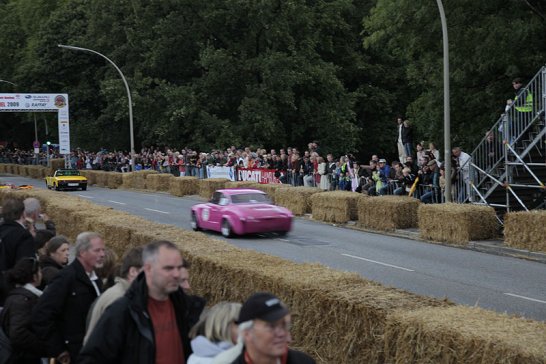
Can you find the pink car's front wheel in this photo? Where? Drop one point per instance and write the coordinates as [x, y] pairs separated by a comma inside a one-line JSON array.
[[194, 223], [226, 230]]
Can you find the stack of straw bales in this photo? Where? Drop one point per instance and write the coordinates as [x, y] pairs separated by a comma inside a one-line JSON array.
[[270, 189], [114, 179], [526, 230], [296, 199], [460, 334], [241, 184], [159, 182], [127, 180], [457, 223], [90, 175], [338, 317], [57, 163], [388, 212], [183, 186], [138, 179], [209, 185], [101, 178], [336, 206]]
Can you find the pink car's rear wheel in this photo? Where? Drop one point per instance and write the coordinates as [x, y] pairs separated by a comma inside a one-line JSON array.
[[194, 223]]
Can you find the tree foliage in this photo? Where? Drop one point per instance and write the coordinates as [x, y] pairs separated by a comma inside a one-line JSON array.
[[268, 73]]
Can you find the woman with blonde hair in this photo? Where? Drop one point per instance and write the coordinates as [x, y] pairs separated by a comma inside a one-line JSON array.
[[215, 332]]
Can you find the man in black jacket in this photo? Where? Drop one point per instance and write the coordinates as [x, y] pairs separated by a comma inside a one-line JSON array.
[[59, 317], [264, 322], [16, 240], [150, 323]]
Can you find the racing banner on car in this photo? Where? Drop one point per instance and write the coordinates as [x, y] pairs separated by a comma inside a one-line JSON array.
[[21, 102], [259, 175]]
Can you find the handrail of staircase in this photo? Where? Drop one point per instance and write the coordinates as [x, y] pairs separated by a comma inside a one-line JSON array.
[[524, 164]]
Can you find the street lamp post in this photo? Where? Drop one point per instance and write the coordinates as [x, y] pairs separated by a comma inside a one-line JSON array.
[[128, 96], [11, 83], [447, 122]]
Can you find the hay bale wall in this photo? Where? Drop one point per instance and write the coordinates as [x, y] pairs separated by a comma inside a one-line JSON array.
[[90, 175], [270, 189], [457, 223], [159, 182], [338, 317], [128, 180], [296, 199], [57, 163], [336, 206], [101, 178], [209, 185], [526, 230], [183, 186], [462, 334], [114, 179], [388, 212], [139, 179]]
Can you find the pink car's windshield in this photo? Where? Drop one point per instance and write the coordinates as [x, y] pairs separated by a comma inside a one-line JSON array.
[[249, 198]]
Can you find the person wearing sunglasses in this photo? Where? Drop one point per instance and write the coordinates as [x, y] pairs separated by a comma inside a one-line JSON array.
[[15, 319]]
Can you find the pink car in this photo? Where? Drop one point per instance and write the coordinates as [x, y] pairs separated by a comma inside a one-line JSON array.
[[240, 211]]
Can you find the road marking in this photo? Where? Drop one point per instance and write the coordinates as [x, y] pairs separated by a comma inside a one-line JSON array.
[[84, 196], [381, 263], [161, 212], [283, 239], [119, 203], [525, 298]]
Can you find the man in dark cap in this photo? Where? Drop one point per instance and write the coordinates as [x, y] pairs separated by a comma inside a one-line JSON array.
[[264, 324]]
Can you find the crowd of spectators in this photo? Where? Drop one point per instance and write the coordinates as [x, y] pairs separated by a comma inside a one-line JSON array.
[[147, 314], [420, 174]]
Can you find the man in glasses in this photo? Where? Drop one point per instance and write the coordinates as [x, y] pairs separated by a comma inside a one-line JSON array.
[[264, 325]]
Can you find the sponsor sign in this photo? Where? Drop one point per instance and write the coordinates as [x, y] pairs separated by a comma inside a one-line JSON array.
[[259, 175], [22, 102], [221, 172]]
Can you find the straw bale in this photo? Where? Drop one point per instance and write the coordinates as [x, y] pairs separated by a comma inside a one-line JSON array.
[[207, 186], [296, 199], [56, 163], [101, 178], [388, 212], [3, 167], [183, 186], [461, 334], [114, 179], [90, 175], [241, 184], [159, 182], [526, 230], [128, 180], [456, 223], [139, 179], [270, 189], [336, 206]]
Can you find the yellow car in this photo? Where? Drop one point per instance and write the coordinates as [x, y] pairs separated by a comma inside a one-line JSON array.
[[66, 179]]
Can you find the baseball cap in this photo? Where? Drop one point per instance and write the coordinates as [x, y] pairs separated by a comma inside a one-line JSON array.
[[263, 306], [382, 160]]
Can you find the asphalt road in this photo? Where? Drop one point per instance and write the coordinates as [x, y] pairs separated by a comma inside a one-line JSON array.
[[468, 277]]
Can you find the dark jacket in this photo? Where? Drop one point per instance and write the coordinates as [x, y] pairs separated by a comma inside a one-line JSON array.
[[294, 357], [50, 269], [27, 348], [59, 318], [407, 134], [124, 334], [17, 243]]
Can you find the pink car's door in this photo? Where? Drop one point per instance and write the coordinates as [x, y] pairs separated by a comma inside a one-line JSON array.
[[217, 207]]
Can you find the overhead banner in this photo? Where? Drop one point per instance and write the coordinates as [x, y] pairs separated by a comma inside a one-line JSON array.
[[42, 103]]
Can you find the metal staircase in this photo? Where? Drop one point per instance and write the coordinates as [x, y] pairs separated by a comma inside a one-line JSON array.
[[507, 170]]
